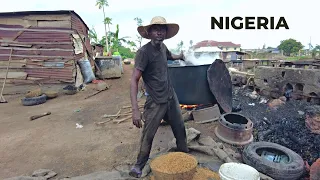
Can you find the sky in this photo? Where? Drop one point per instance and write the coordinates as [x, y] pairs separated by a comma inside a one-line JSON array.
[[193, 17]]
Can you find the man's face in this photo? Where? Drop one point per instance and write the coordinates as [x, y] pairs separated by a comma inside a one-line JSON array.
[[158, 33]]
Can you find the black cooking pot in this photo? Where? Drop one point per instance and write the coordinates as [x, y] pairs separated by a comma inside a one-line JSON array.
[[191, 85], [203, 84]]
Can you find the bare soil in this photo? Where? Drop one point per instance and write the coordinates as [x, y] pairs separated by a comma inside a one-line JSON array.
[[54, 142]]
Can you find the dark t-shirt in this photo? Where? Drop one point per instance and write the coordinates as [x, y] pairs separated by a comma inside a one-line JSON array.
[[153, 63]]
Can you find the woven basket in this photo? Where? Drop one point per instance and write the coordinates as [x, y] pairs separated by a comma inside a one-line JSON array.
[[186, 175]]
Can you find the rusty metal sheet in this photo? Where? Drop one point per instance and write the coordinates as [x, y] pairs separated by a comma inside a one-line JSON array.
[[63, 74], [58, 67], [38, 52], [220, 84], [77, 24]]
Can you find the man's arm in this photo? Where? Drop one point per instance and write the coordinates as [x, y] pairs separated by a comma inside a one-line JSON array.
[[136, 75], [171, 56], [141, 61]]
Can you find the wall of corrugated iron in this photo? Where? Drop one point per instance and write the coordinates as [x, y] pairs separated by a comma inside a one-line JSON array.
[[43, 53], [77, 24]]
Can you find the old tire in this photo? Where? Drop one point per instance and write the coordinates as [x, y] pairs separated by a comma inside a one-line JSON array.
[[279, 171], [34, 100]]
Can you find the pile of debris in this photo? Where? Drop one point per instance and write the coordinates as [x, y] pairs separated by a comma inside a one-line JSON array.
[[293, 123]]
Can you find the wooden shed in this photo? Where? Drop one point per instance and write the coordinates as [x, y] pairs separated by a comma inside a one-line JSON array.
[[44, 46]]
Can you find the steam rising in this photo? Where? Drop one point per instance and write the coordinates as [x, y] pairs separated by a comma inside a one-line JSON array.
[[199, 59]]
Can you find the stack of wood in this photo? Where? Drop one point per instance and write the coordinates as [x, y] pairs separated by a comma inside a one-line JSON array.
[[124, 115]]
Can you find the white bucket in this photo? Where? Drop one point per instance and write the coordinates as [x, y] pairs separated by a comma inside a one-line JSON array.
[[238, 171]]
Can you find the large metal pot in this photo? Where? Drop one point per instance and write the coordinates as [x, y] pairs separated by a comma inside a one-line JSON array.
[[191, 85], [203, 84]]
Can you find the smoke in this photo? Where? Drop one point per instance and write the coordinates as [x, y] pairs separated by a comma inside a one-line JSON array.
[[200, 59]]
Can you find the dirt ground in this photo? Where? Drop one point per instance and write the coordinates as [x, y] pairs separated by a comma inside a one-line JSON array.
[[54, 142]]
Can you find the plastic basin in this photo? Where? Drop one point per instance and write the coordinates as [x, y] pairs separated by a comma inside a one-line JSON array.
[[238, 171]]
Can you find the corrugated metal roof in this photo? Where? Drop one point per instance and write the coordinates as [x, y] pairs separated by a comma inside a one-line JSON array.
[[207, 43], [20, 13]]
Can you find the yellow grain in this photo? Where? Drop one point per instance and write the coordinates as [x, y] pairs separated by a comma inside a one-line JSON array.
[[172, 163], [204, 174]]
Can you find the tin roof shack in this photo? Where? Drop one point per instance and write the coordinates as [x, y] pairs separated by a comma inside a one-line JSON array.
[[46, 46], [97, 49]]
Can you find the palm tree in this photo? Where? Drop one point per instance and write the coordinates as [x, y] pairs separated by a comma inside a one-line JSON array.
[[101, 4], [180, 46], [115, 41], [108, 20]]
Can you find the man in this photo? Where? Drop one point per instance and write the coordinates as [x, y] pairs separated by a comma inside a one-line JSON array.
[[162, 102]]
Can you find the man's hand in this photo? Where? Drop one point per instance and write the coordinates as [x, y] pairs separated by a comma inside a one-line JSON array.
[[136, 118], [182, 56]]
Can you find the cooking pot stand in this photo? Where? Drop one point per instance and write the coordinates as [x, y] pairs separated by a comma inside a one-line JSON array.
[[220, 84]]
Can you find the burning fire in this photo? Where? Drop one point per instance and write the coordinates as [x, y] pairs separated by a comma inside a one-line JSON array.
[[187, 106]]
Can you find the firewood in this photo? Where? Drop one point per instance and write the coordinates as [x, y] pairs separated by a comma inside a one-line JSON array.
[[121, 120], [115, 115], [103, 122]]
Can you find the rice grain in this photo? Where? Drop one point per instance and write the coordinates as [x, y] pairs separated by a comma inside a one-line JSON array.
[[173, 163], [205, 174]]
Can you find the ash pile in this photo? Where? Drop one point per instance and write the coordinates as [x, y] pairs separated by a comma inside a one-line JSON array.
[[284, 121]]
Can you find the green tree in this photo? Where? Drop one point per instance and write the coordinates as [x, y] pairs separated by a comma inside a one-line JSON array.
[[132, 44], [180, 46], [290, 46], [101, 4], [116, 42], [125, 52], [139, 23], [315, 51], [93, 36]]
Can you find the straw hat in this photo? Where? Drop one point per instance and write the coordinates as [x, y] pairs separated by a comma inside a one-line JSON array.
[[172, 28]]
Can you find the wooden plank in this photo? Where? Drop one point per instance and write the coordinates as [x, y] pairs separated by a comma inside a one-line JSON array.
[[58, 24], [13, 64], [13, 75], [18, 21], [15, 45], [19, 33], [48, 17]]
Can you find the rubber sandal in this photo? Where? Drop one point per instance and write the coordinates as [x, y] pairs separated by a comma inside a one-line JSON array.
[[135, 172]]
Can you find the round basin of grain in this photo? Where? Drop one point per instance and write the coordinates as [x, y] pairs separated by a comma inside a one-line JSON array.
[[174, 166]]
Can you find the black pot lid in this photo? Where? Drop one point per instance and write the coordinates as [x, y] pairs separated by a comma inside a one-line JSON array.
[[220, 84]]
